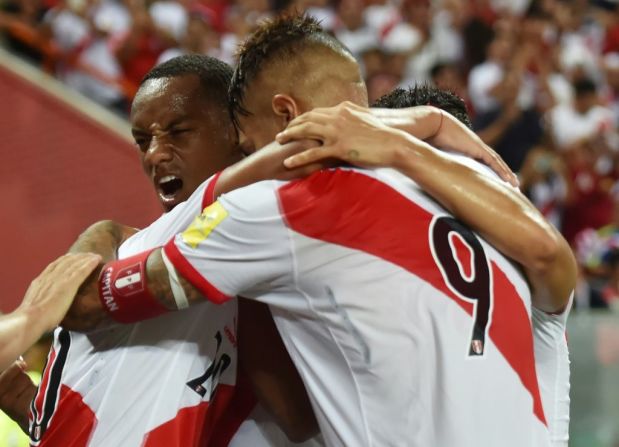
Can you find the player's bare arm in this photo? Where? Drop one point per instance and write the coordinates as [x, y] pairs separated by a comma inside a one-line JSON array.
[[495, 210], [103, 238], [427, 123], [88, 311], [266, 164]]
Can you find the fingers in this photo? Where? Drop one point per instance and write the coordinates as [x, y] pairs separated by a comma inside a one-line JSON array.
[[69, 260], [61, 277], [308, 157], [308, 130], [498, 165], [296, 147], [80, 265]]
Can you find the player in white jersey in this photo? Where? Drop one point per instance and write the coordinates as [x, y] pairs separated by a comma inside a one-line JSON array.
[[549, 329], [551, 351], [129, 385], [322, 216]]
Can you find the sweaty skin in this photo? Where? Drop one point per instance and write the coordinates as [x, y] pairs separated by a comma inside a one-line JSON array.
[[495, 210]]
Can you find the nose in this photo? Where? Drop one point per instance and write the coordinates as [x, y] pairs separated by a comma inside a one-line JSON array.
[[158, 152]]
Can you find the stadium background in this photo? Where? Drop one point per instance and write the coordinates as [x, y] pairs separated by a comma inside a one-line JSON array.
[[541, 79]]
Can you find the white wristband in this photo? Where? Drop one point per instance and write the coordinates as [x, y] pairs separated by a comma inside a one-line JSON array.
[[177, 290]]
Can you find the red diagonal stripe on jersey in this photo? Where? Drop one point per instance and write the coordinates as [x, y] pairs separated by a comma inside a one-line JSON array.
[[382, 222], [42, 390], [73, 422]]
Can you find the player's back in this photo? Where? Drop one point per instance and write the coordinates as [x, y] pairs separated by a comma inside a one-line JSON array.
[[408, 329]]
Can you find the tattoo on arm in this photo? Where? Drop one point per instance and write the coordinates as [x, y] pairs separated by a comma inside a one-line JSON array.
[[159, 283], [102, 238]]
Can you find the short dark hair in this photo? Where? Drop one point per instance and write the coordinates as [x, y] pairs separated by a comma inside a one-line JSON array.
[[278, 38], [584, 87], [426, 95], [214, 75]]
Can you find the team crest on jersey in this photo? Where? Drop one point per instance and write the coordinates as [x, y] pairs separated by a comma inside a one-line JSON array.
[[202, 226]]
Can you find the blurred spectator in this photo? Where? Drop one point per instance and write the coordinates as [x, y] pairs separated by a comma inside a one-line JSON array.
[[508, 127], [170, 17], [380, 15], [447, 76], [27, 12], [351, 28], [607, 14], [83, 31], [582, 120], [138, 48], [484, 78], [426, 35], [543, 178], [199, 37], [611, 72], [592, 177], [594, 246], [610, 291]]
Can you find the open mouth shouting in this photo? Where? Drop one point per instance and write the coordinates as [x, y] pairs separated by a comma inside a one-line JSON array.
[[169, 189]]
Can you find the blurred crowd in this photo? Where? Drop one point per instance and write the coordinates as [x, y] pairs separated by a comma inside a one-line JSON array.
[[540, 78]]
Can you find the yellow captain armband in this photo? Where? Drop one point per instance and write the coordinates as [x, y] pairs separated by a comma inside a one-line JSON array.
[[202, 225]]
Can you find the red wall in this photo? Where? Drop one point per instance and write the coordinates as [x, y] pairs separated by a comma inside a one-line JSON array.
[[59, 172]]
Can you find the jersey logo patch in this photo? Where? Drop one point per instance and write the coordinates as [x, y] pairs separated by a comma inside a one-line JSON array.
[[202, 226]]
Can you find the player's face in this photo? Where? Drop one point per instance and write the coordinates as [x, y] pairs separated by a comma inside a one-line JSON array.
[[182, 139]]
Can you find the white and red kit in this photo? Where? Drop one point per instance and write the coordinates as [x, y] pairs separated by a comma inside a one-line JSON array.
[[552, 360], [166, 382], [551, 354], [406, 327]]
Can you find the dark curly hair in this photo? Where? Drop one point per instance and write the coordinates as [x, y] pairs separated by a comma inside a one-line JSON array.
[[275, 39], [426, 95]]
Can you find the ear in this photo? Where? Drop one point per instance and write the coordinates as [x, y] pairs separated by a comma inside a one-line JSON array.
[[285, 106]]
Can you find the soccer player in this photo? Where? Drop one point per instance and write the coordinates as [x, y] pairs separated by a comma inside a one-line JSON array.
[[552, 290], [45, 303], [182, 384], [406, 327], [174, 178]]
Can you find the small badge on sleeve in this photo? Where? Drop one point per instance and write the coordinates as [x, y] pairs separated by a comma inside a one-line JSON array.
[[202, 225]]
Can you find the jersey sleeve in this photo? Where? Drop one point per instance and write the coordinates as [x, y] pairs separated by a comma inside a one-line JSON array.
[[553, 369], [238, 245], [161, 230]]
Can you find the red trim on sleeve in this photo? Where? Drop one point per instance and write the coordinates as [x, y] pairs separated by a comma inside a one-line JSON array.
[[196, 279], [209, 192]]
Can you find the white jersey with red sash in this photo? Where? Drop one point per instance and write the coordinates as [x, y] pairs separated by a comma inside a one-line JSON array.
[[165, 382], [407, 328]]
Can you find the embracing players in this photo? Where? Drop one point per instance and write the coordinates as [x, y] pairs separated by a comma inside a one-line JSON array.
[[306, 247]]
